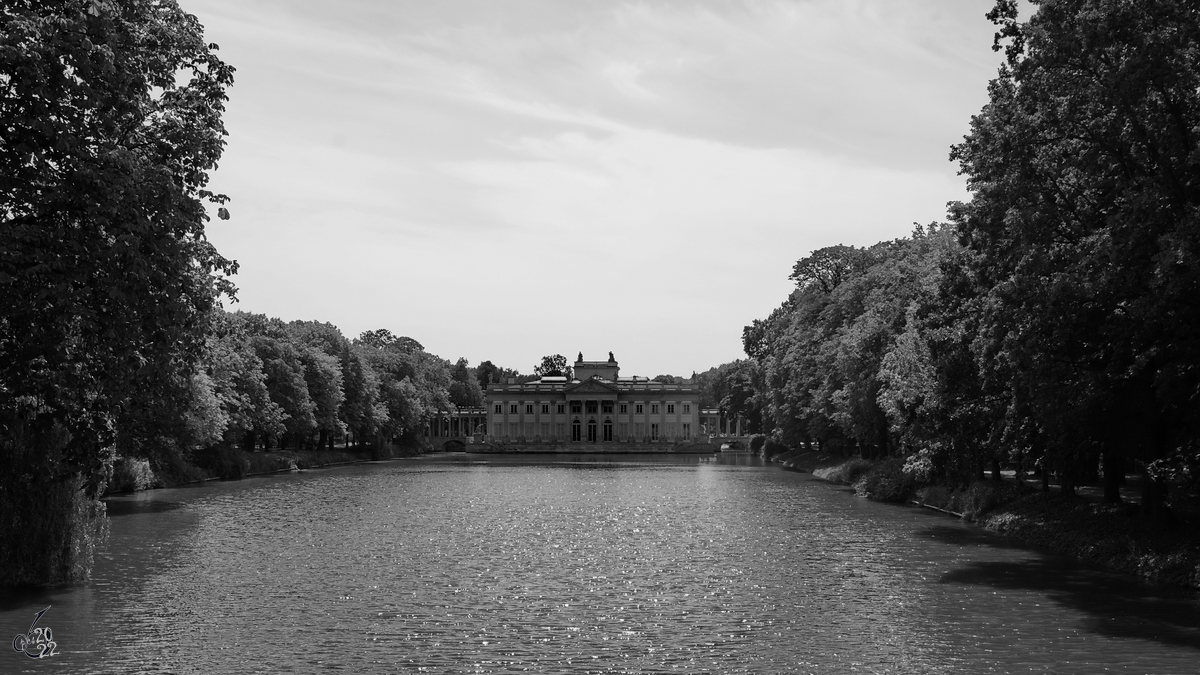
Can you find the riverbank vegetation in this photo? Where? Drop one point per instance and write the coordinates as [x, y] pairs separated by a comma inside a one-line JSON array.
[[1051, 324], [119, 368]]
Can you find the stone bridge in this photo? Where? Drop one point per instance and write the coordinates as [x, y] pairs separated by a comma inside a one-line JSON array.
[[734, 442]]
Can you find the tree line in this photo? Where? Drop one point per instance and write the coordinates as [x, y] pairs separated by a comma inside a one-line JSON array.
[[1054, 320], [261, 383]]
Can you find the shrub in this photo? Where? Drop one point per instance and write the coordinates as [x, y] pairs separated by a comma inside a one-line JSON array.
[[756, 443], [381, 450], [983, 496], [132, 475], [846, 472], [177, 470], [935, 495], [56, 530], [920, 466], [887, 481], [260, 462], [771, 448], [223, 462]]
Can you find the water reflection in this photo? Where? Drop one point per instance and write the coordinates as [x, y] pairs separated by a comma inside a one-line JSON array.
[[707, 563]]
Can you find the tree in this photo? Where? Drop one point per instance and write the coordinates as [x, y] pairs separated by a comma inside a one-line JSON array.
[[1084, 169], [240, 384], [111, 121], [554, 366], [828, 267], [413, 384], [464, 388]]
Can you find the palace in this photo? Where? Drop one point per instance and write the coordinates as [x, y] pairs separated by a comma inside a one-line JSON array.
[[597, 406]]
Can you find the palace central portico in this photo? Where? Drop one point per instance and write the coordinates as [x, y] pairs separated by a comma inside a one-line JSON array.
[[597, 406]]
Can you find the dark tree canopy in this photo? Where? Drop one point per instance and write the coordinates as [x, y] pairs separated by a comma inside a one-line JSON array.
[[554, 366], [105, 274], [1085, 173], [828, 267], [111, 120], [1055, 320]]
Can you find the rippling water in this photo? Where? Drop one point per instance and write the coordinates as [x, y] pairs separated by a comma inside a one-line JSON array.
[[589, 564]]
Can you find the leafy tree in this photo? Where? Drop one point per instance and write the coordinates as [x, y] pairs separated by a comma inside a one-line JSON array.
[[464, 387], [323, 375], [384, 338], [363, 411], [240, 384], [1083, 169], [825, 269], [554, 366], [111, 121], [413, 384]]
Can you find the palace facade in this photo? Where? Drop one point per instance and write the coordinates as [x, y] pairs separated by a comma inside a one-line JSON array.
[[597, 406]]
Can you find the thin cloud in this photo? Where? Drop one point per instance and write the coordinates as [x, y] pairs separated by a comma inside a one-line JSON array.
[[446, 166]]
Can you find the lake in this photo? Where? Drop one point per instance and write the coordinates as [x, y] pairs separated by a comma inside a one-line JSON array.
[[582, 564]]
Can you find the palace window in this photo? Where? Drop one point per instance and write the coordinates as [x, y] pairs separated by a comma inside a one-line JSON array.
[[528, 408], [529, 430], [624, 409], [514, 429], [687, 429], [545, 408], [560, 429], [608, 407], [623, 430], [654, 431], [561, 409], [639, 429], [638, 409], [545, 430], [576, 407], [513, 409], [653, 408], [670, 408], [499, 408], [592, 406], [670, 430], [687, 408]]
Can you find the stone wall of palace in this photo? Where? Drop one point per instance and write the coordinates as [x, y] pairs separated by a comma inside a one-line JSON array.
[[642, 412]]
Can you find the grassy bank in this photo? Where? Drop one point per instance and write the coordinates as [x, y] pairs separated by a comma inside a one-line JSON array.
[[1114, 536], [225, 463]]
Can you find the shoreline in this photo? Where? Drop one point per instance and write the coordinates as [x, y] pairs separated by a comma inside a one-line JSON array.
[[1113, 537]]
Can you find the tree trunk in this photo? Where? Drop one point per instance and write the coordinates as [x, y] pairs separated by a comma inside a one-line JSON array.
[[1154, 496], [1114, 472], [1067, 483], [996, 469]]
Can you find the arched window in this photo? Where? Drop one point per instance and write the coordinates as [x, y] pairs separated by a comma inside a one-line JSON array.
[[591, 431], [576, 431], [607, 431]]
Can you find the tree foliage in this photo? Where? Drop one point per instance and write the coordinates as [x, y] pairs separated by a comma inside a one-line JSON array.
[[1053, 322], [111, 122], [555, 365]]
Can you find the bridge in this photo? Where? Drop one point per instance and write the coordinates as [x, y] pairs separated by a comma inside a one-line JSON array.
[[734, 442], [456, 443], [456, 430]]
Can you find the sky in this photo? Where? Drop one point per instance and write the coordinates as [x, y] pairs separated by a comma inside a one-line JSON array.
[[502, 180]]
